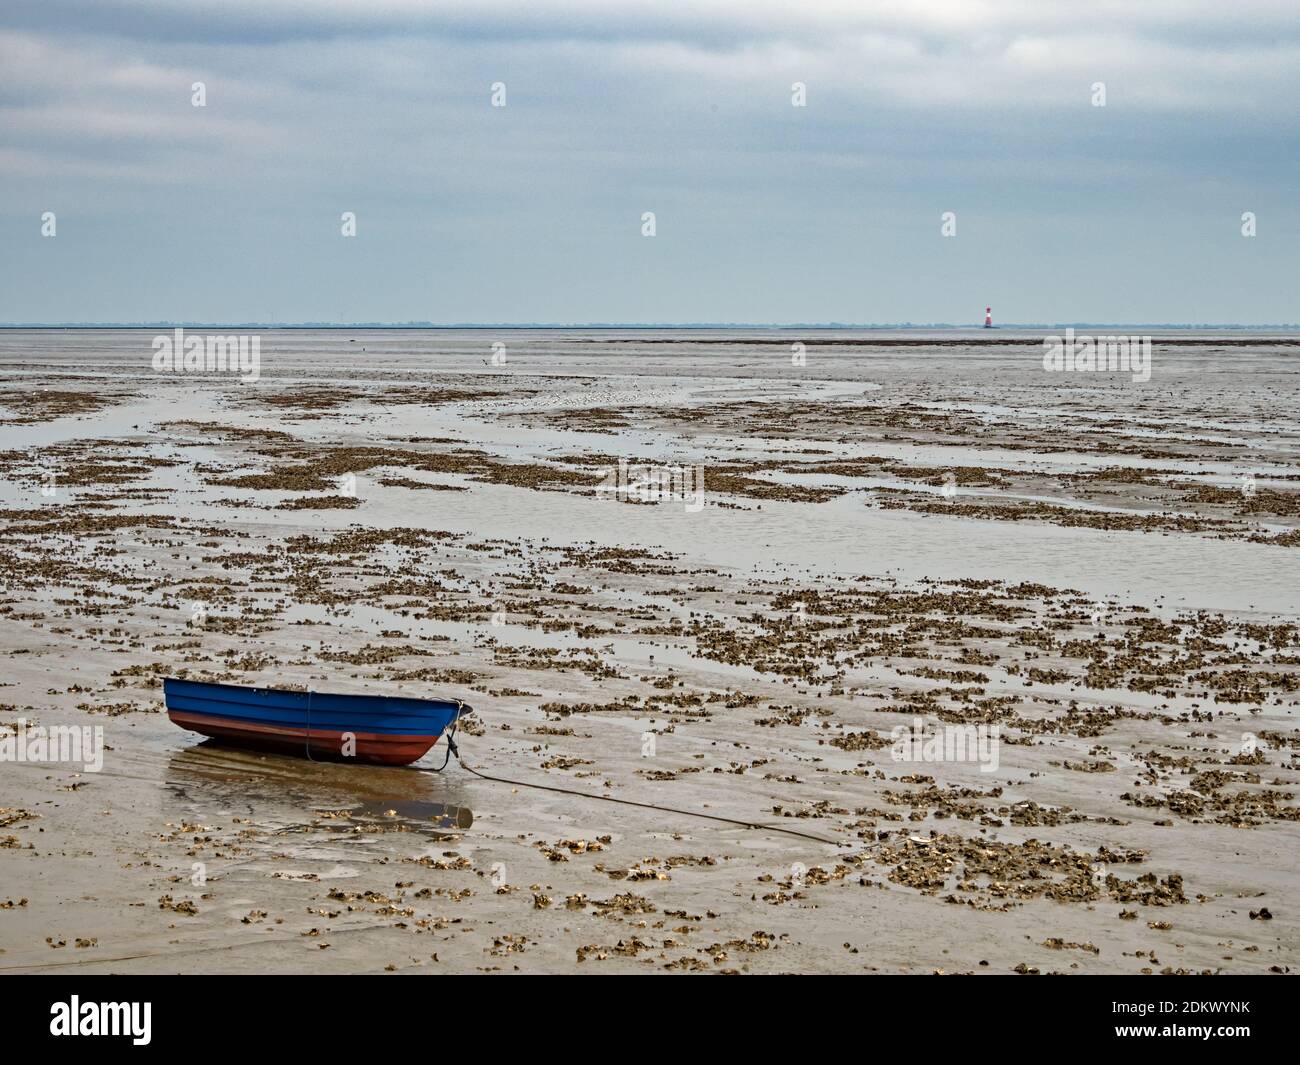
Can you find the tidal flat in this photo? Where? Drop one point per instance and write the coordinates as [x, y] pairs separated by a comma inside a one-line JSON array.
[[1099, 578]]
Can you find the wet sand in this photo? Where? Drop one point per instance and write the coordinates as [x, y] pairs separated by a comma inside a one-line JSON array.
[[1105, 570]]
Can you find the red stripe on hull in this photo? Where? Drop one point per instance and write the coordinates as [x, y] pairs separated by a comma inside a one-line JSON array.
[[380, 748]]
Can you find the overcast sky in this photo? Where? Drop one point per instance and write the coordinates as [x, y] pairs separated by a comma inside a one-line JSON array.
[[764, 212]]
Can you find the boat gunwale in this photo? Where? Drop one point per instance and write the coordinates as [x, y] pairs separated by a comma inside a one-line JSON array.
[[241, 695]]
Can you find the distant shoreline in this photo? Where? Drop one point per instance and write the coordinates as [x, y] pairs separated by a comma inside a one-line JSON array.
[[675, 327]]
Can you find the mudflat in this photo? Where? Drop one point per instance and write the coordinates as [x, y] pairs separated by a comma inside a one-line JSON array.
[[1002, 665]]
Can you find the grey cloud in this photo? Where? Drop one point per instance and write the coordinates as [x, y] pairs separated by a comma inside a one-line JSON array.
[[978, 107]]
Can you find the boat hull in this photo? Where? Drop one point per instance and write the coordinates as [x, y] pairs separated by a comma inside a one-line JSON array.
[[381, 730]]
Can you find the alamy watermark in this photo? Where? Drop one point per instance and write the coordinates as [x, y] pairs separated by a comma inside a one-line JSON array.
[[947, 743], [68, 744], [649, 483], [1129, 354], [234, 353], [75, 1017]]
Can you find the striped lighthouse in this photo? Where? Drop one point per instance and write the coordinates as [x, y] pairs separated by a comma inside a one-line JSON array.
[[988, 317]]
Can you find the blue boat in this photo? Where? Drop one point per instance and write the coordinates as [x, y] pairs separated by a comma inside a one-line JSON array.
[[381, 729]]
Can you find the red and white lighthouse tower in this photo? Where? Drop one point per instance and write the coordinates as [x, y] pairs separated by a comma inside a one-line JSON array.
[[988, 317]]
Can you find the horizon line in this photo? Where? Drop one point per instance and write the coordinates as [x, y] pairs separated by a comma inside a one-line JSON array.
[[412, 325]]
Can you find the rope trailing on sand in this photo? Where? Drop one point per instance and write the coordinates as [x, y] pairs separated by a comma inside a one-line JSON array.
[[452, 749], [654, 806]]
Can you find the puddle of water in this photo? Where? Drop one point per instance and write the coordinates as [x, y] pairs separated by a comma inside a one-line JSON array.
[[213, 775], [424, 814]]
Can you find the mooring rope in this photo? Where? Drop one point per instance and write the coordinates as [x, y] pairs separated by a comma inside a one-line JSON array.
[[451, 739], [452, 749]]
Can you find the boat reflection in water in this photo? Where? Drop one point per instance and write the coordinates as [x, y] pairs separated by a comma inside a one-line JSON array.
[[213, 780]]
